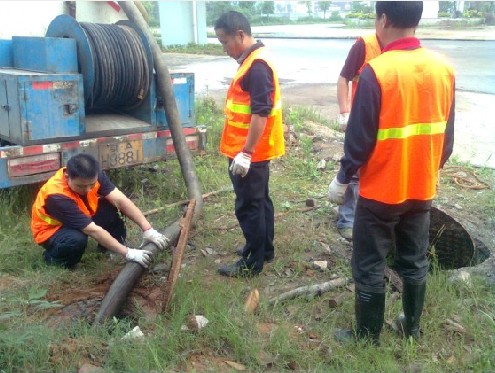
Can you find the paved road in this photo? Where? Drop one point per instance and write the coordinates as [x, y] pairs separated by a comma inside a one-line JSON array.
[[319, 60]]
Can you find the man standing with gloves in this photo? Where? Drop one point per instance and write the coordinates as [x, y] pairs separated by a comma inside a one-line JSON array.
[[364, 49], [81, 201], [400, 132], [252, 136]]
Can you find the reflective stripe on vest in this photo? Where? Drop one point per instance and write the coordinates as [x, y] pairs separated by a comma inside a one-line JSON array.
[[417, 92], [44, 226], [411, 130], [47, 219]]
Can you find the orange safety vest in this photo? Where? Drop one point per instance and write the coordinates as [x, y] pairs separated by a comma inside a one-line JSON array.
[[417, 90], [372, 50], [43, 225], [238, 116]]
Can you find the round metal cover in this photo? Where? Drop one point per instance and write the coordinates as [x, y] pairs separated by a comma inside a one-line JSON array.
[[451, 243]]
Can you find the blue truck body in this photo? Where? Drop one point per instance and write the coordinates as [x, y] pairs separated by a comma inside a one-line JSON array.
[[44, 121]]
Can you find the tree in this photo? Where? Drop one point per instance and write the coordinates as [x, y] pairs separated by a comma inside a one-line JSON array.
[[152, 10], [247, 7], [309, 7], [267, 7], [361, 7], [214, 9], [324, 6]]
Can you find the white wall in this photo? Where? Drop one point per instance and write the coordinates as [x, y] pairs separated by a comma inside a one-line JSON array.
[[430, 9], [31, 18], [97, 12], [27, 18], [182, 22]]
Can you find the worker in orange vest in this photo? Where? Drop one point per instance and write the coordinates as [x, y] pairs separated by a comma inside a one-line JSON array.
[[363, 50], [252, 136], [400, 133], [81, 201]]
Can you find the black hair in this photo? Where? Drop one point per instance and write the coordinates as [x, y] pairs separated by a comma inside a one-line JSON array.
[[402, 14], [83, 165], [233, 21]]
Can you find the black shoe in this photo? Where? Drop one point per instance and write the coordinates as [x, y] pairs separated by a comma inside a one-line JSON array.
[[240, 251], [238, 269]]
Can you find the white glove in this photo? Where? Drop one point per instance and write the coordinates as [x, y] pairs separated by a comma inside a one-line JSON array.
[[142, 257], [152, 235], [241, 163], [343, 119], [336, 191]]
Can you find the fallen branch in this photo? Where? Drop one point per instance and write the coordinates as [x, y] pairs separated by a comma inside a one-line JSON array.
[[310, 290], [184, 201], [178, 254], [338, 299], [394, 278], [303, 209]]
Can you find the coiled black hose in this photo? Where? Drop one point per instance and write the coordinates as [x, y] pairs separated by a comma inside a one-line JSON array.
[[121, 66]]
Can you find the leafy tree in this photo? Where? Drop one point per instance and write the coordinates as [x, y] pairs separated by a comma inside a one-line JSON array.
[[361, 7], [324, 6], [481, 6], [309, 6], [247, 7], [152, 10], [267, 7], [446, 7], [214, 9]]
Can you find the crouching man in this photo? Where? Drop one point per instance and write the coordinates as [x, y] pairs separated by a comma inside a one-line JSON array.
[[81, 201]]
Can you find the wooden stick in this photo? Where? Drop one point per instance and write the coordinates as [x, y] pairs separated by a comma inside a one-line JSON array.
[[183, 202], [303, 209], [310, 290], [338, 299], [394, 278], [178, 254]]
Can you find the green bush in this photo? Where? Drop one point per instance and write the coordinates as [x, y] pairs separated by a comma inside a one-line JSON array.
[[360, 15], [472, 13], [444, 14]]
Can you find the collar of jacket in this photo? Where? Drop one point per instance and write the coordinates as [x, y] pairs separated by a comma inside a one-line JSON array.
[[409, 42], [249, 50]]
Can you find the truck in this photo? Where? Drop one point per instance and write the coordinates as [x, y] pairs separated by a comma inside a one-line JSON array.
[[69, 84]]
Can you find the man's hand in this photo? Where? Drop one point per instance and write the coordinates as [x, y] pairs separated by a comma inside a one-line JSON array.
[[241, 163], [152, 235], [343, 119], [336, 191], [142, 257]]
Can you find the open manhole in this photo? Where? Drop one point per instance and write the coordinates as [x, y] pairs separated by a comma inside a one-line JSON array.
[[451, 244]]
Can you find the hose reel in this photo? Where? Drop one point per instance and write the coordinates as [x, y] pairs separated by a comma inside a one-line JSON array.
[[115, 61]]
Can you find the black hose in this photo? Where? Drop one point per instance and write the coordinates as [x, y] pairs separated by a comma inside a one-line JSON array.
[[122, 72]]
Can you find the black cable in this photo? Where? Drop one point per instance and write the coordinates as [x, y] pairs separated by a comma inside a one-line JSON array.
[[121, 66]]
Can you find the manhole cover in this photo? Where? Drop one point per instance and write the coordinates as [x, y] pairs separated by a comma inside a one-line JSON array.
[[451, 244]]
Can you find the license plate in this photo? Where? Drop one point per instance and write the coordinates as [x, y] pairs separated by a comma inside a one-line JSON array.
[[121, 154]]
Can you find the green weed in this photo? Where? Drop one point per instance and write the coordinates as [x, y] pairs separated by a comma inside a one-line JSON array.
[[293, 335]]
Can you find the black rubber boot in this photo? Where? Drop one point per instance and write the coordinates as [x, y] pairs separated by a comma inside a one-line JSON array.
[[413, 298], [370, 309]]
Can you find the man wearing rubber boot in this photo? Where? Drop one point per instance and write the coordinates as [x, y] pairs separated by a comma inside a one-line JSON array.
[[400, 132], [252, 136]]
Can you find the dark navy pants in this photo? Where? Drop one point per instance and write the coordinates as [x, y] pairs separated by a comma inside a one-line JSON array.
[[379, 228], [66, 247], [254, 211]]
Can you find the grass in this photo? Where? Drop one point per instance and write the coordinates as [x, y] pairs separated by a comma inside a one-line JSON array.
[[295, 335]]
